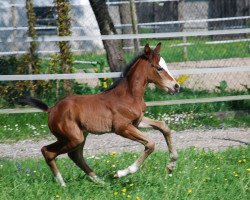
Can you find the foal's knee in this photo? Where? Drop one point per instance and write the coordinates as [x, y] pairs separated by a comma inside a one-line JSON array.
[[174, 156], [150, 146], [47, 156], [163, 127]]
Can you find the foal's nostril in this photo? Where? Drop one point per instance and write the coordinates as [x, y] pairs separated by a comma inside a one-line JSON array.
[[177, 86]]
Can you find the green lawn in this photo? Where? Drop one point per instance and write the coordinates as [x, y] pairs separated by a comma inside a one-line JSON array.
[[199, 175]]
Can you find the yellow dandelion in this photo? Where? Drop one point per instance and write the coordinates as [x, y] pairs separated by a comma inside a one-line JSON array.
[[105, 84], [244, 160], [113, 153], [116, 193], [235, 174], [190, 191], [248, 170], [239, 161], [129, 196], [57, 196], [181, 79], [124, 190], [137, 198]]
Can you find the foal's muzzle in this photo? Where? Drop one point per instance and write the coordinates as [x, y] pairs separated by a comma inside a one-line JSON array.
[[175, 89]]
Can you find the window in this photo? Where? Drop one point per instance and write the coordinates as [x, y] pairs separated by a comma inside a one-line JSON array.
[[46, 17]]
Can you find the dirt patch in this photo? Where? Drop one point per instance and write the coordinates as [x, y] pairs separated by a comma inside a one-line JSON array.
[[216, 139]]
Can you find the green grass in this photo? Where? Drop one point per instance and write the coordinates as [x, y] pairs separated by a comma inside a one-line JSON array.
[[199, 175], [14, 127], [23, 126]]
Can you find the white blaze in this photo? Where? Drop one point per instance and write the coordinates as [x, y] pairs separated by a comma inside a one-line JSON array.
[[163, 64]]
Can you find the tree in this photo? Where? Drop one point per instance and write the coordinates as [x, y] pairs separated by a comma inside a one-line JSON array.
[[32, 57], [124, 9], [115, 54], [63, 9]]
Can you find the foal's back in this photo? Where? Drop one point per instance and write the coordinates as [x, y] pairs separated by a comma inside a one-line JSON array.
[[91, 113]]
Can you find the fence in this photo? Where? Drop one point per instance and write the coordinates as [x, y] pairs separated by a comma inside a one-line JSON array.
[[197, 43]]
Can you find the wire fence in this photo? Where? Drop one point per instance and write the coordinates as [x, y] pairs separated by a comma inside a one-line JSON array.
[[196, 35]]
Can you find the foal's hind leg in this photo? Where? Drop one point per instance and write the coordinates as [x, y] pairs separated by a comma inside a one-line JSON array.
[[133, 133], [161, 126], [77, 157], [50, 152]]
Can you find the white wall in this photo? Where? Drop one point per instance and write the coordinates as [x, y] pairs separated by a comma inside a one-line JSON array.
[[81, 14]]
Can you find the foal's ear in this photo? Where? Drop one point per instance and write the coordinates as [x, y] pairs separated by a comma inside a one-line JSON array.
[[157, 48], [147, 50]]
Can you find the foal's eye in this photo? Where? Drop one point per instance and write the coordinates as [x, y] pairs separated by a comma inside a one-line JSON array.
[[160, 69]]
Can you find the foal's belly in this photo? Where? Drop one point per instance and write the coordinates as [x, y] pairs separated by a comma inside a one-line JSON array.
[[97, 124]]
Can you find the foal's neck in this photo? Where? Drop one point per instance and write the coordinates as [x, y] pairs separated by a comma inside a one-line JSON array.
[[137, 80]]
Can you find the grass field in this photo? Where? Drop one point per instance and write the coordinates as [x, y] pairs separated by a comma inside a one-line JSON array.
[[199, 175], [14, 127]]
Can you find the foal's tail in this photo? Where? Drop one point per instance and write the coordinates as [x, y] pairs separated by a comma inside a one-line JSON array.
[[26, 100]]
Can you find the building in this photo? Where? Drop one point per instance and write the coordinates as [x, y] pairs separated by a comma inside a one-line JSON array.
[[13, 25]]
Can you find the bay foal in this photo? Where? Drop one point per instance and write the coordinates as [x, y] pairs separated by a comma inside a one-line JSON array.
[[120, 109]]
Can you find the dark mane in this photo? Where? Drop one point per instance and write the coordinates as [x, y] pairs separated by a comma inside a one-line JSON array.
[[125, 72]]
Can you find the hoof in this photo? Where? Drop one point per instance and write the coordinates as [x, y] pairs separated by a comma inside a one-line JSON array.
[[170, 170], [171, 167], [116, 176]]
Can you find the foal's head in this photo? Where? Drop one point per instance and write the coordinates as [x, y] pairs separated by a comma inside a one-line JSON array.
[[158, 72]]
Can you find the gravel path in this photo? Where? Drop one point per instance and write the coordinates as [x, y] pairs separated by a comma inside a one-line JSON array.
[[215, 139]]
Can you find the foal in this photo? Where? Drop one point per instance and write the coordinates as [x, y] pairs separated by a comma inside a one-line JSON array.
[[120, 109]]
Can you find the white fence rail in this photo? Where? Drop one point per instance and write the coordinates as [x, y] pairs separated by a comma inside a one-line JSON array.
[[139, 24], [133, 36], [117, 74], [149, 104]]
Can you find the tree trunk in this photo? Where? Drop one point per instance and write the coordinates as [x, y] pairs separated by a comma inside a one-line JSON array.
[[125, 16], [115, 54]]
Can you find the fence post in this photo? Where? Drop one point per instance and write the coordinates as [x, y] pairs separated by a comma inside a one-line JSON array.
[[14, 25], [181, 10], [134, 25]]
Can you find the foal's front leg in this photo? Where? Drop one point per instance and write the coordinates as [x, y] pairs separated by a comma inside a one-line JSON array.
[[130, 132], [161, 126]]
